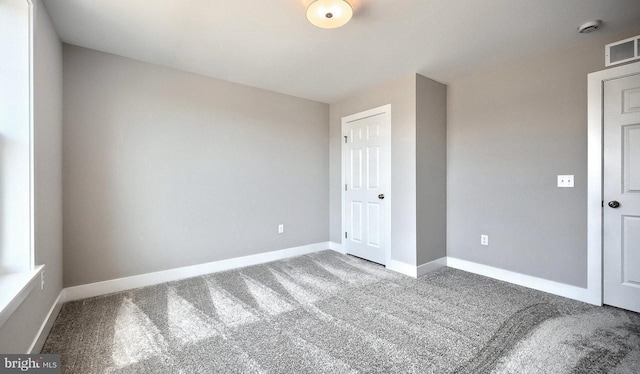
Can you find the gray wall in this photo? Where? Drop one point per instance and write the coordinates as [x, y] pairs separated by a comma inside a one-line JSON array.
[[512, 128], [164, 169], [431, 169], [17, 333], [401, 94]]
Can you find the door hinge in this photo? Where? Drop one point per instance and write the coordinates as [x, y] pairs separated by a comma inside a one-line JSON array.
[[345, 235], [345, 187], [603, 204], [345, 140]]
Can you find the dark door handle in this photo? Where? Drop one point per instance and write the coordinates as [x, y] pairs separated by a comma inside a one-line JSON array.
[[381, 196], [614, 204]]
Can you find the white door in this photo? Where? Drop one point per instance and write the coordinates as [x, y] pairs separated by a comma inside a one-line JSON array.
[[621, 192], [367, 184]]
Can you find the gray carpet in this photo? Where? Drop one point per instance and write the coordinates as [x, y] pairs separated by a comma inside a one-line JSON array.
[[330, 313]]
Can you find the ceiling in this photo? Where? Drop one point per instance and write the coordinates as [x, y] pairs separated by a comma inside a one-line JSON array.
[[269, 43]]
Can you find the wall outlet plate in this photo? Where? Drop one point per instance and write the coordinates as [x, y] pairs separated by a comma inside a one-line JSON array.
[[280, 229], [484, 239], [565, 181]]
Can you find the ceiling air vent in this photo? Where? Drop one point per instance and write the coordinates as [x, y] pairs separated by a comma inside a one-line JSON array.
[[622, 51]]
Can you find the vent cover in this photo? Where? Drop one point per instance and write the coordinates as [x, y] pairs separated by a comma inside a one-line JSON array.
[[622, 51]]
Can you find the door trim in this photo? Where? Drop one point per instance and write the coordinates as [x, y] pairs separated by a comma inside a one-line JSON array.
[[595, 139], [386, 111]]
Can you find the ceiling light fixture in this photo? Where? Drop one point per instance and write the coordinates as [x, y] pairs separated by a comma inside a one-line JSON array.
[[329, 14], [589, 26]]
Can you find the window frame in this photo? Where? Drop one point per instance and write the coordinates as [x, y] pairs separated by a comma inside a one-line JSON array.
[[16, 286]]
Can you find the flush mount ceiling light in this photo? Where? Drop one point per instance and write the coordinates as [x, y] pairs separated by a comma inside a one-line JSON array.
[[329, 14], [589, 26]]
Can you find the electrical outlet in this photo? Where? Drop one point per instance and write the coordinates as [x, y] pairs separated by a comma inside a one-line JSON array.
[[42, 281], [484, 239], [565, 181], [280, 229]]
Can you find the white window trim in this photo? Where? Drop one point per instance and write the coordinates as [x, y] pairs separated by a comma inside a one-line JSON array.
[[32, 168], [17, 286], [15, 289]]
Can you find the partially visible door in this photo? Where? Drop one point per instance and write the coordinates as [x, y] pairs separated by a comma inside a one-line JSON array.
[[621, 192], [367, 195]]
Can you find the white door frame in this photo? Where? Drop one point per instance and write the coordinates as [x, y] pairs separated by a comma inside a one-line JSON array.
[[594, 179], [384, 110]]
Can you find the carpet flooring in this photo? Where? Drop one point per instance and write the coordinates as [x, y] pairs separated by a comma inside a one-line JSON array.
[[331, 313]]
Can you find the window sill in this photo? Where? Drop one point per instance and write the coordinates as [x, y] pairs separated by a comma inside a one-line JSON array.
[[15, 289]]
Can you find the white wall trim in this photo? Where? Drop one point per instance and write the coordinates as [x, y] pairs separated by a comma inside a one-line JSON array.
[[403, 268], [47, 324], [337, 247], [32, 143], [431, 266], [540, 284], [121, 284], [594, 175], [16, 287], [416, 271]]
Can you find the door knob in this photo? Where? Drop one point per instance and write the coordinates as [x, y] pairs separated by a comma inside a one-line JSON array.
[[381, 196], [614, 204]]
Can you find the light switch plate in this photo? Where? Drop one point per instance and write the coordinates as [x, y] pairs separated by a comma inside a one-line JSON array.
[[565, 180]]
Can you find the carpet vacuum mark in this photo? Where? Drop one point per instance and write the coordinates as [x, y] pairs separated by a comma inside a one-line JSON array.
[[331, 313]]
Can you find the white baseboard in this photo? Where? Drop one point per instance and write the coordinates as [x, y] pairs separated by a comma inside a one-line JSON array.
[[417, 271], [560, 289], [431, 266], [336, 247], [142, 280], [47, 324], [403, 268], [121, 284]]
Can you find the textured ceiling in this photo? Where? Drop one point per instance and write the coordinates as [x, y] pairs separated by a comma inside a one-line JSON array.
[[270, 44]]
